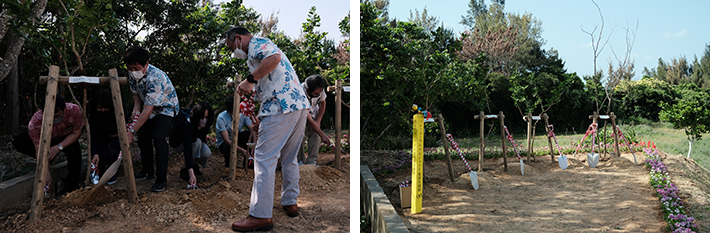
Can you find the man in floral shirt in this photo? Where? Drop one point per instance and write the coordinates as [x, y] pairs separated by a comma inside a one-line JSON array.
[[283, 114], [155, 94], [66, 130]]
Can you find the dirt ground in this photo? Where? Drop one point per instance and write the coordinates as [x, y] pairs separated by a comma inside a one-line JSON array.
[[613, 197], [211, 208]]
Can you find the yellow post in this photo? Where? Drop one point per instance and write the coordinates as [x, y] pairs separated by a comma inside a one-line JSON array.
[[417, 162]]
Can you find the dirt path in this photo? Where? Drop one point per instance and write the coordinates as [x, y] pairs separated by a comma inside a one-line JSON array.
[[614, 197], [212, 208]]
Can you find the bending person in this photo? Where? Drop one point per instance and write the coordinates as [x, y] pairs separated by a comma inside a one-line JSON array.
[[66, 130]]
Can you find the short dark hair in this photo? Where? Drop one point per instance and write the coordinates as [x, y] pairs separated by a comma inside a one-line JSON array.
[[315, 81], [136, 55], [229, 103], [236, 30], [59, 104]]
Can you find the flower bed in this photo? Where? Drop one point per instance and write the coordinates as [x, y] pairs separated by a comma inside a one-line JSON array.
[[673, 209]]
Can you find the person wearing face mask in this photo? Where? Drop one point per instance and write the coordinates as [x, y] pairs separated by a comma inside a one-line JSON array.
[[66, 129], [282, 114], [223, 127], [153, 92], [189, 135], [105, 145], [313, 86]]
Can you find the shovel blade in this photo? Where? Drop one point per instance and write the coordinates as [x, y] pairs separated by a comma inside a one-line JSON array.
[[562, 160], [522, 168], [474, 180], [592, 159]]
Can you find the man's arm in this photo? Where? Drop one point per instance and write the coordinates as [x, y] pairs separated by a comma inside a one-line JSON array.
[[71, 138], [267, 65], [315, 127], [225, 136], [321, 111]]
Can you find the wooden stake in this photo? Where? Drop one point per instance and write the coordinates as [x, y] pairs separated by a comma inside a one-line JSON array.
[[549, 139], [122, 136], [44, 144], [235, 131], [338, 121], [616, 135], [529, 120], [502, 140], [88, 139], [440, 120], [482, 147]]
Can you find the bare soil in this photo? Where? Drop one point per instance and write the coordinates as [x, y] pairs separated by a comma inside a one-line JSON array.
[[613, 197], [323, 202]]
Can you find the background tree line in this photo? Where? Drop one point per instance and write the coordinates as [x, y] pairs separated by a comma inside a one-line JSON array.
[[185, 39], [498, 64]]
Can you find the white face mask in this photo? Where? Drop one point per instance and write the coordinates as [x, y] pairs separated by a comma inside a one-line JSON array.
[[203, 122], [137, 75], [239, 53]]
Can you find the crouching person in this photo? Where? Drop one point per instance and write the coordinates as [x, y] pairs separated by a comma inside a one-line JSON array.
[[66, 129], [190, 136]]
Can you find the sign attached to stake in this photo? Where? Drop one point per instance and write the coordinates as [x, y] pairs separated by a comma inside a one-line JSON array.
[[417, 162], [83, 79]]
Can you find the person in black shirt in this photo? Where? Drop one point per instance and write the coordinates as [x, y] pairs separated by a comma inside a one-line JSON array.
[[190, 135], [105, 145]]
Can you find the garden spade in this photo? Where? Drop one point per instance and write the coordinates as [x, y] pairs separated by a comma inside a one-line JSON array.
[[471, 173], [562, 160], [592, 159], [510, 139], [110, 171]]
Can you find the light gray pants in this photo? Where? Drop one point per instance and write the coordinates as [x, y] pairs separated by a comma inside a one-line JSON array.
[[313, 147], [200, 152], [279, 136]]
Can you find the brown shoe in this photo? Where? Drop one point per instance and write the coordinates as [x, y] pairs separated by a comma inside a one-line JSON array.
[[252, 223], [291, 210]]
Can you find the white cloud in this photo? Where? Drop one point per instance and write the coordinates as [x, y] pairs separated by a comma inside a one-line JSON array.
[[585, 45], [676, 35]]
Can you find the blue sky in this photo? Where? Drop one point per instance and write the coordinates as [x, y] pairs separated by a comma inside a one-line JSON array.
[[665, 30], [292, 13]]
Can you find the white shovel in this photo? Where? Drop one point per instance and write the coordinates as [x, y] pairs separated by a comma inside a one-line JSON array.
[[471, 173], [592, 159], [474, 179], [510, 139], [562, 160]]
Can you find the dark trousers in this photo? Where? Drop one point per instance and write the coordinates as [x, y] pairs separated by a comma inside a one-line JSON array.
[[23, 144], [153, 134], [226, 148], [108, 153]]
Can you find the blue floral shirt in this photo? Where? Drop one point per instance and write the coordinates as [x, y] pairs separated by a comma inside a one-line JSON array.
[[280, 91], [155, 89]]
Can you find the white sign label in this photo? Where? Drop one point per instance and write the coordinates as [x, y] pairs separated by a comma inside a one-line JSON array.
[[84, 79], [346, 88]]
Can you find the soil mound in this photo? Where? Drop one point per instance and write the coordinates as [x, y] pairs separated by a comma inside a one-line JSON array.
[[514, 169]]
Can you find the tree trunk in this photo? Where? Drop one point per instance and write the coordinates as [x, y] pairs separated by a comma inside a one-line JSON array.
[[690, 147], [14, 113], [16, 45]]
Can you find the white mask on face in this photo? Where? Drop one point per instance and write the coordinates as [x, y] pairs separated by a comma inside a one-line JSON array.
[[238, 53], [203, 122], [137, 75]]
